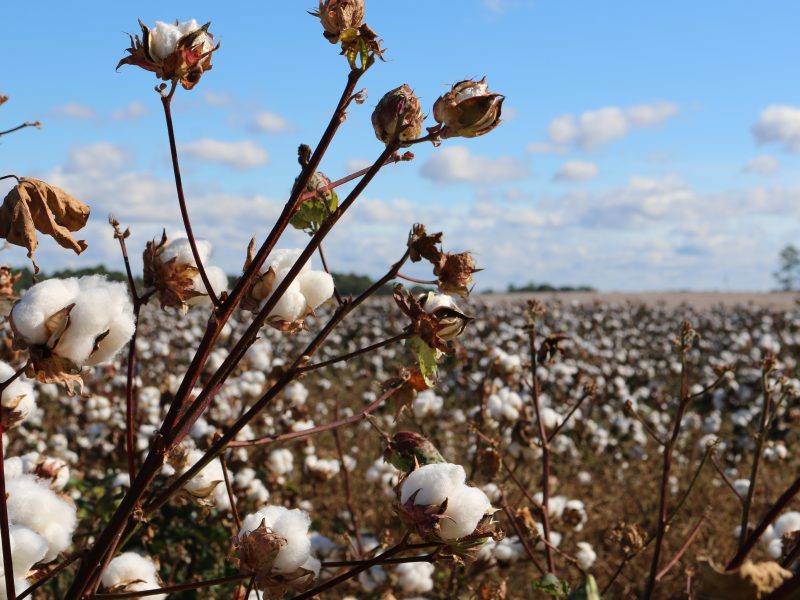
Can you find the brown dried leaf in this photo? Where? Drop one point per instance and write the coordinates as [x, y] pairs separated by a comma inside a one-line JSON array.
[[421, 245], [7, 281], [34, 205], [47, 367], [751, 581]]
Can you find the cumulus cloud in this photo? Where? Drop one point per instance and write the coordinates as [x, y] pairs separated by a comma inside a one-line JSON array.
[[761, 165], [356, 164], [269, 122], [97, 158], [456, 164], [244, 154], [576, 170], [779, 124], [134, 110], [595, 128], [75, 111]]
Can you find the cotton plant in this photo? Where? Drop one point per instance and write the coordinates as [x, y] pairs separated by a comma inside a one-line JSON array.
[[207, 487], [27, 549], [415, 577], [274, 544], [436, 502], [132, 572], [66, 324]]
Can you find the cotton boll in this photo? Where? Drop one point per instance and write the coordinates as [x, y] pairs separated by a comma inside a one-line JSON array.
[[787, 523], [312, 564], [38, 304], [316, 286], [292, 304], [281, 461], [18, 397], [181, 250], [427, 404], [33, 504], [101, 306], [284, 259], [741, 486], [205, 482], [372, 578], [259, 355], [219, 283], [27, 549], [775, 548], [435, 482], [464, 510], [415, 577], [132, 572], [585, 555], [292, 525]]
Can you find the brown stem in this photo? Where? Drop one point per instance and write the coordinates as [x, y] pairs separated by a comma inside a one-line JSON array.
[[513, 520], [166, 101], [23, 126], [726, 479], [415, 280], [532, 308], [192, 585], [325, 363], [328, 271], [348, 495], [307, 195], [762, 436], [231, 498], [5, 535], [663, 514], [11, 177], [771, 515], [571, 412], [389, 561], [682, 551]]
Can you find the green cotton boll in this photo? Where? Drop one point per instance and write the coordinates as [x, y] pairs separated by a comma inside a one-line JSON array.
[[587, 590], [313, 212]]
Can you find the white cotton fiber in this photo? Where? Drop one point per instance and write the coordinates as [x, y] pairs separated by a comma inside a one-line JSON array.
[[20, 387], [435, 482], [280, 461], [312, 564], [133, 573], [27, 549], [431, 301], [316, 286], [787, 523], [292, 305], [100, 306], [181, 250], [33, 504], [284, 259], [290, 524], [415, 577], [585, 555], [464, 510], [208, 482], [38, 304], [219, 283]]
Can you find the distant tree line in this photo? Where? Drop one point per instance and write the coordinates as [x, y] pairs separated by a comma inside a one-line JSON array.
[[788, 274]]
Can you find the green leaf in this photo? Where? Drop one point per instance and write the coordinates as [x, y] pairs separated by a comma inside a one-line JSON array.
[[587, 590], [427, 358], [552, 586]]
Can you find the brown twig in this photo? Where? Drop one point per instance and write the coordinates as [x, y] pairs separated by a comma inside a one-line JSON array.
[[325, 363], [36, 124], [5, 535], [231, 498], [348, 495], [523, 540], [682, 551], [181, 587], [725, 478]]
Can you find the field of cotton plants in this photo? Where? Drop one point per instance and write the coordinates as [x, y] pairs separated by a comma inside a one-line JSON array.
[[182, 432]]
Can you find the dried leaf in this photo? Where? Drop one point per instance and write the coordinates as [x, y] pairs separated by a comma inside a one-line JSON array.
[[33, 205], [751, 581]]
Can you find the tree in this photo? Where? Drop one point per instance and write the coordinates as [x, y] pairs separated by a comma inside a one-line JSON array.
[[788, 273]]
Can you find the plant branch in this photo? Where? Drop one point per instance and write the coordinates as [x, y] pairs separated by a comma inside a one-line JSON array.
[[313, 367], [181, 587], [513, 520], [36, 124], [5, 534], [682, 551]]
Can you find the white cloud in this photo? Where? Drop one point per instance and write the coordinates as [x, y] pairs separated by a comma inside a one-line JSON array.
[[218, 99], [97, 158], [75, 111], [780, 124], [244, 154], [576, 170], [133, 111], [762, 165], [269, 122], [356, 164], [595, 128], [457, 164]]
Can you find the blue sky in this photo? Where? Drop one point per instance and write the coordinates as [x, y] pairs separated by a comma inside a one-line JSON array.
[[646, 146]]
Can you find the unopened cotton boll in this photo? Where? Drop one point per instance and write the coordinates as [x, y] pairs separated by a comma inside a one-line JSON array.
[[292, 525], [132, 572], [415, 577], [316, 286], [33, 504]]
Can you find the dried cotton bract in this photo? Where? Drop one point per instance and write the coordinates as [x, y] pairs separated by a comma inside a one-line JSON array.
[[17, 400]]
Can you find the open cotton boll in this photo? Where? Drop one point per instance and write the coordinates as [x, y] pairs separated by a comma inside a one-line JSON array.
[[18, 397], [164, 38], [205, 482], [101, 306], [27, 549], [316, 286], [181, 250], [787, 523], [280, 461], [312, 564], [415, 577], [33, 504], [133, 572], [292, 525], [433, 301], [284, 259], [585, 555], [219, 283], [464, 510], [435, 482], [38, 304]]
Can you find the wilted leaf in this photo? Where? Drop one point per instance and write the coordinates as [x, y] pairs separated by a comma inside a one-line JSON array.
[[426, 357], [35, 205], [751, 581]]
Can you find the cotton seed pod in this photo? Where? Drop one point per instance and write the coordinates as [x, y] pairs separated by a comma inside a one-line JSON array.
[[338, 16], [450, 321], [409, 449], [174, 52], [468, 110], [398, 114], [455, 273]]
